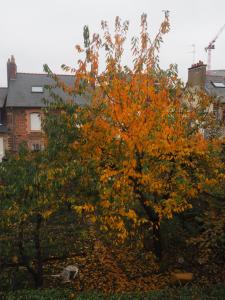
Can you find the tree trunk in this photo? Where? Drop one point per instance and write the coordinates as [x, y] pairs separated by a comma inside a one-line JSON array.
[[38, 278], [152, 215], [24, 258], [154, 218], [36, 270], [157, 241]]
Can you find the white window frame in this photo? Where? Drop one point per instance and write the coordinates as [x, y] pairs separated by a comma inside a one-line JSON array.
[[2, 149], [33, 126]]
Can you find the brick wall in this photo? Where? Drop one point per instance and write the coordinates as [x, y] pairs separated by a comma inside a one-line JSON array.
[[18, 123]]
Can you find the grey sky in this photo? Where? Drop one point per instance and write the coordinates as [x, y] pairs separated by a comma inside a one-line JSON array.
[[45, 31]]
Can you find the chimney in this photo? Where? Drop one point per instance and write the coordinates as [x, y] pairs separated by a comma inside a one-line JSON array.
[[11, 69], [197, 75]]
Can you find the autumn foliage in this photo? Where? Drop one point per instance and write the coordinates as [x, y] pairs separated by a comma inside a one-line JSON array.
[[143, 131], [143, 150]]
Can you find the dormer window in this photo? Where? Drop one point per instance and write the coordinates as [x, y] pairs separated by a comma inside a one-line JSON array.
[[35, 122], [218, 84], [37, 89]]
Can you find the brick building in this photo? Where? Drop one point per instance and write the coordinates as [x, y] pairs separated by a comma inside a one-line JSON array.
[[213, 82], [21, 104]]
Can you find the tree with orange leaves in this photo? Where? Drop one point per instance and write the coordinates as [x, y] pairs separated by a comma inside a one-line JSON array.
[[142, 131]]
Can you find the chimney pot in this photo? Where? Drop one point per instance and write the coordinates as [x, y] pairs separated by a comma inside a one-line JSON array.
[[11, 69], [12, 59], [197, 74]]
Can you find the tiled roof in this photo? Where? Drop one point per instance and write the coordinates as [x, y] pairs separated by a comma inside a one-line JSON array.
[[216, 76], [20, 90]]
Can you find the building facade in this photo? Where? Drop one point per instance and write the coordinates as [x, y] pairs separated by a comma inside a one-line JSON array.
[[213, 82], [21, 108]]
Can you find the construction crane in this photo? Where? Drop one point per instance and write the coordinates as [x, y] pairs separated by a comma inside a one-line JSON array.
[[166, 12], [211, 46]]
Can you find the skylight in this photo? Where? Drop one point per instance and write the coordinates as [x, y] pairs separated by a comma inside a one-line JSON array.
[[37, 89], [218, 84]]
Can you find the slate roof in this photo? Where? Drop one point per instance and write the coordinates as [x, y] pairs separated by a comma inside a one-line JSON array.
[[20, 90], [3, 128], [3, 94], [217, 76], [216, 73]]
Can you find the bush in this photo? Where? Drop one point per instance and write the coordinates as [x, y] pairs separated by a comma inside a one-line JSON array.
[[216, 292]]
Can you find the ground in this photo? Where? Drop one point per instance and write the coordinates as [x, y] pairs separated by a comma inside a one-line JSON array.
[[105, 267]]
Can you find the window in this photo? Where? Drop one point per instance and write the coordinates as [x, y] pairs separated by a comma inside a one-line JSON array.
[[36, 147], [35, 122], [218, 84], [2, 151], [37, 89]]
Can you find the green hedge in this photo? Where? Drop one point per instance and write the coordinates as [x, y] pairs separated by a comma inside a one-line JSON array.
[[216, 292]]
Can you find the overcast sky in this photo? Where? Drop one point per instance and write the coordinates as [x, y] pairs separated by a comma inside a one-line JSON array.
[[45, 31]]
